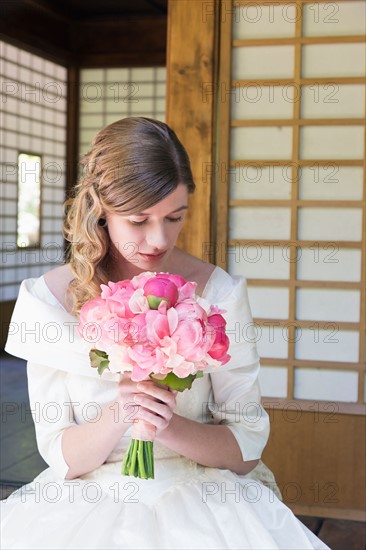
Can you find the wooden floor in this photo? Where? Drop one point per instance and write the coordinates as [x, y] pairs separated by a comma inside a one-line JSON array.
[[20, 461]]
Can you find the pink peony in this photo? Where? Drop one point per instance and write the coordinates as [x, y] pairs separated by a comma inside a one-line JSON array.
[[161, 288], [117, 297], [154, 324], [93, 315], [221, 342]]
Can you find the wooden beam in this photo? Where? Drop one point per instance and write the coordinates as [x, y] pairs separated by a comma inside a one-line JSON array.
[[35, 30], [72, 141], [191, 92], [119, 42], [123, 42]]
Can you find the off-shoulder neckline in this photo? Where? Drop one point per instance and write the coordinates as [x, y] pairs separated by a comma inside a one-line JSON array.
[[51, 294]]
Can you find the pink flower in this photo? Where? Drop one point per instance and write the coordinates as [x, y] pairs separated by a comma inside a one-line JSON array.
[[221, 342], [192, 339], [157, 327], [145, 360], [160, 288], [93, 315], [138, 302], [178, 280], [153, 324], [117, 297], [119, 360]]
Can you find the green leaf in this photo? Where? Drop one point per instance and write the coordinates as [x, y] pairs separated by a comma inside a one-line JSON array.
[[99, 360], [176, 383]]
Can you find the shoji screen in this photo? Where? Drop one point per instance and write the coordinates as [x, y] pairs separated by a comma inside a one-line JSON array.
[[106, 95], [33, 121], [291, 214]]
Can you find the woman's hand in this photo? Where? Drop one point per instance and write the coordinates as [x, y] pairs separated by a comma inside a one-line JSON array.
[[156, 404], [147, 404]]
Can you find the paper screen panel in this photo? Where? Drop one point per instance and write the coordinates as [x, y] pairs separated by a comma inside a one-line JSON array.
[[328, 304], [263, 62], [334, 18], [260, 182], [271, 342], [334, 224], [267, 302], [262, 102], [261, 143], [90, 106], [33, 121], [333, 100], [325, 306], [329, 263], [332, 142], [113, 109], [93, 121], [330, 344], [333, 60], [273, 381], [259, 223], [332, 182], [258, 262], [107, 95], [264, 21], [326, 385]]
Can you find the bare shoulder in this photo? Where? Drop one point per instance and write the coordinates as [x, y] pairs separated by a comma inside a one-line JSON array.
[[194, 269], [57, 281]]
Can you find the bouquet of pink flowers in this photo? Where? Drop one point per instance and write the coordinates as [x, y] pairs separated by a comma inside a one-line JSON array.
[[154, 327]]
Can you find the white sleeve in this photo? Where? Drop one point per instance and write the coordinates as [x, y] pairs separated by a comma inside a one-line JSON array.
[[236, 392], [51, 412], [237, 403]]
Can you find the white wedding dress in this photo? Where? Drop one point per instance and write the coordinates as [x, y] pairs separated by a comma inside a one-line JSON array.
[[186, 506]]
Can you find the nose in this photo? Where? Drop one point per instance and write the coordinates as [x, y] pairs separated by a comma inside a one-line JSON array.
[[157, 237]]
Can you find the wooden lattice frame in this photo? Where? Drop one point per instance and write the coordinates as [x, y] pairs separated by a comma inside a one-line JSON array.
[[224, 162]]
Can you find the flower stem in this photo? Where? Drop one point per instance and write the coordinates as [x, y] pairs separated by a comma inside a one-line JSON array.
[[139, 460]]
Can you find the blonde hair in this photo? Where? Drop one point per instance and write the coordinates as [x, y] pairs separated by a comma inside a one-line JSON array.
[[133, 164]]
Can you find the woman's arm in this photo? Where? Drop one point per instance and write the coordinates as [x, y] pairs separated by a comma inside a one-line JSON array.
[[210, 445], [86, 446]]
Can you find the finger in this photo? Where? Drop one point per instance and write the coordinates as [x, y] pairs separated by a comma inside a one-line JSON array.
[[157, 421], [159, 393], [156, 407]]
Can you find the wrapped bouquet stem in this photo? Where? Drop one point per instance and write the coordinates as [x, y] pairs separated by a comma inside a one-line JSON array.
[[154, 327], [139, 458]]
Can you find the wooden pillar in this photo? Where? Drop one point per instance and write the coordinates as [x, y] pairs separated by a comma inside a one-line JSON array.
[[192, 67], [72, 141]]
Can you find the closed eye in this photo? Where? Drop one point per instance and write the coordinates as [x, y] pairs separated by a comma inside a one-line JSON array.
[[173, 220], [138, 223]]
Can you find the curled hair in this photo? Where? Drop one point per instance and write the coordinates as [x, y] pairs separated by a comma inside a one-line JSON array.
[[133, 164]]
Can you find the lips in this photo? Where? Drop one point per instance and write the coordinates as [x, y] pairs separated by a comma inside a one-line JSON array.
[[152, 256]]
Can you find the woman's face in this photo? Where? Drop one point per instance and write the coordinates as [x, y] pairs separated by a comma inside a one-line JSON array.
[[145, 240]]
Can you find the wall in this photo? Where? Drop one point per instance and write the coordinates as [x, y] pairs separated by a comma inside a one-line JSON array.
[[33, 120]]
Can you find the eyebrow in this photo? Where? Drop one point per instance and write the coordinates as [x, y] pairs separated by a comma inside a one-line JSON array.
[[147, 214]]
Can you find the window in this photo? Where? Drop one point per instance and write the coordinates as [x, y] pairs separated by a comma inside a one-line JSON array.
[[29, 201]]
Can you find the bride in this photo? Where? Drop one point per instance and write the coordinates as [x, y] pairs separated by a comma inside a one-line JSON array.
[[211, 490]]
